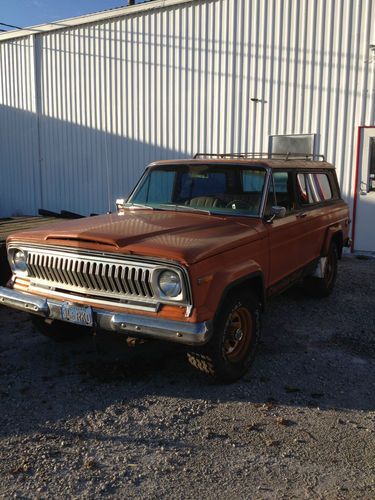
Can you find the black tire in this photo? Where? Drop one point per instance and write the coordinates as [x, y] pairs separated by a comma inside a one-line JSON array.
[[230, 353], [59, 331], [322, 287]]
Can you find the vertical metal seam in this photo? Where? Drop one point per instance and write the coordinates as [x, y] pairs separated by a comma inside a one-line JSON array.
[[38, 86]]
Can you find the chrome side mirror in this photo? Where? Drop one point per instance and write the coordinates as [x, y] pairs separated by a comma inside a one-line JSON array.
[[276, 212], [120, 203]]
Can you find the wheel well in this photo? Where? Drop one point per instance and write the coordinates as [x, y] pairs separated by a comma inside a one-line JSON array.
[[252, 283], [338, 239]]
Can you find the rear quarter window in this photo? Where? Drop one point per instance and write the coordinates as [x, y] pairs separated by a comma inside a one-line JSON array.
[[313, 188]]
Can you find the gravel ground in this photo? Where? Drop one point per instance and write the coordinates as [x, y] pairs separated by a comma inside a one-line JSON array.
[[94, 419]]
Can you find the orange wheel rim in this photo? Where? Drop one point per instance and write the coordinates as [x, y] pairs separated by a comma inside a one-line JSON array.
[[238, 334]]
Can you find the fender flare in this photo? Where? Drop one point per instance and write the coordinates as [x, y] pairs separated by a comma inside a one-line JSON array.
[[239, 282], [332, 232]]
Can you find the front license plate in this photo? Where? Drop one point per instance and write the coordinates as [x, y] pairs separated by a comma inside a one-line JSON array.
[[77, 315]]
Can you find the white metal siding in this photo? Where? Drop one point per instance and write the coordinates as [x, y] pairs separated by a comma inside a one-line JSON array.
[[19, 179], [110, 97]]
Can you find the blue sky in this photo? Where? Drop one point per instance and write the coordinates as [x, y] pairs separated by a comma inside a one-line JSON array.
[[30, 12]]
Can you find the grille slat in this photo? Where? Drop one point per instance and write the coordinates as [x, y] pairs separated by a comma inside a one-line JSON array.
[[111, 278], [58, 269], [92, 271], [84, 274], [132, 280], [42, 267], [30, 264], [98, 277], [52, 269], [148, 283], [34, 261], [128, 281], [62, 271], [69, 273], [74, 273], [122, 279], [60, 277], [141, 282]]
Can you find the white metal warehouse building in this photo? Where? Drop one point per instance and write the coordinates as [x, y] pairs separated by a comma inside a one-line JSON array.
[[87, 103]]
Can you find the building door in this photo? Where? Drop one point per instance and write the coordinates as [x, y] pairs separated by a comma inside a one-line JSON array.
[[364, 230]]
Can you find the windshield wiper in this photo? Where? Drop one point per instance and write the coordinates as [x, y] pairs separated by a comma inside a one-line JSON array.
[[184, 208], [166, 206], [137, 206]]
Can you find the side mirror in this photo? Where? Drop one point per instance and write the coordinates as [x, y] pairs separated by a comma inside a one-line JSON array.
[[120, 202], [277, 212]]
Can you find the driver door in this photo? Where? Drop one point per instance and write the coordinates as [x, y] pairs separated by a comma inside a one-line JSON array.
[[287, 242]]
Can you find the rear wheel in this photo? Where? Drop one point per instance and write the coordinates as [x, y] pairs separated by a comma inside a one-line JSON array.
[[231, 350], [322, 287], [59, 331]]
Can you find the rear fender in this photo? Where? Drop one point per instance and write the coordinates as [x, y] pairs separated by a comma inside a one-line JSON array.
[[334, 233]]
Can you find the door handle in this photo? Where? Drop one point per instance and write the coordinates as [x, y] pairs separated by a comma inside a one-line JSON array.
[[301, 215]]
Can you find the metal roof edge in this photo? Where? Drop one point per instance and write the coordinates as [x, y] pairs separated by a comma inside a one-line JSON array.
[[73, 22], [272, 163]]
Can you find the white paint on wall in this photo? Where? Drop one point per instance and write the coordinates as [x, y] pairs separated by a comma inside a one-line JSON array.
[[84, 108]]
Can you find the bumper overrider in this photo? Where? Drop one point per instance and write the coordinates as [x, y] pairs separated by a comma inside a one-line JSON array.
[[133, 324]]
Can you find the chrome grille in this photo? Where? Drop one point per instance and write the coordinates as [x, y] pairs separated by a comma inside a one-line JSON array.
[[92, 275]]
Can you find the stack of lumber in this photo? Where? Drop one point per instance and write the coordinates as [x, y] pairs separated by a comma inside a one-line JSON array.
[[13, 225]]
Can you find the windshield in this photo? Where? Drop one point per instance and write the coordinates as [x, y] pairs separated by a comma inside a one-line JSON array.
[[224, 189]]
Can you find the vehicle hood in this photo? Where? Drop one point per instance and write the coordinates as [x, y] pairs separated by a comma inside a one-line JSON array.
[[186, 237]]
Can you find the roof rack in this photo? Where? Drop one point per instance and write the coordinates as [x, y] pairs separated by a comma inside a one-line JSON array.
[[277, 156]]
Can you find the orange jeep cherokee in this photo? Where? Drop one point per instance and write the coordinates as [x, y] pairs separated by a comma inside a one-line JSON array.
[[191, 257]]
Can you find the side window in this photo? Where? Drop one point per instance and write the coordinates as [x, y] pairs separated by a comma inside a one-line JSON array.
[[281, 182], [313, 188], [284, 192]]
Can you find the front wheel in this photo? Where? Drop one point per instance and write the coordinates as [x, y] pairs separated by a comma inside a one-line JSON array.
[[231, 350]]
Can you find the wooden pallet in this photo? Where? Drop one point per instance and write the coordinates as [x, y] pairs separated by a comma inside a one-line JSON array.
[[13, 225]]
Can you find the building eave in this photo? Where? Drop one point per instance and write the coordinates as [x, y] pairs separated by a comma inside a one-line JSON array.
[[96, 17]]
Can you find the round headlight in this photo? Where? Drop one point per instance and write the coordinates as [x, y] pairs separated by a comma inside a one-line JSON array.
[[19, 261], [170, 283]]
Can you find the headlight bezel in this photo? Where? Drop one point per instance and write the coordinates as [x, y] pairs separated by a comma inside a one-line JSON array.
[[169, 283], [181, 296], [19, 268]]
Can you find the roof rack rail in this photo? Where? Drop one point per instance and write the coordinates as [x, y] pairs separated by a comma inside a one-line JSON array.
[[277, 156]]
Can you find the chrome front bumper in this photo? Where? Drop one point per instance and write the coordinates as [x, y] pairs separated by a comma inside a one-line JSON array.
[[132, 324]]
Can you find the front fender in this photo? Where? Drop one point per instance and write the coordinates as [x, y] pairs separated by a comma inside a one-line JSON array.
[[213, 287]]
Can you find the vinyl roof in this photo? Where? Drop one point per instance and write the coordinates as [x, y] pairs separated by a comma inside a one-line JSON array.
[[95, 17]]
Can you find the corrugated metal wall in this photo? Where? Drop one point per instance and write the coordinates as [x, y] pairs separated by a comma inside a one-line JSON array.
[[83, 110], [19, 177]]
